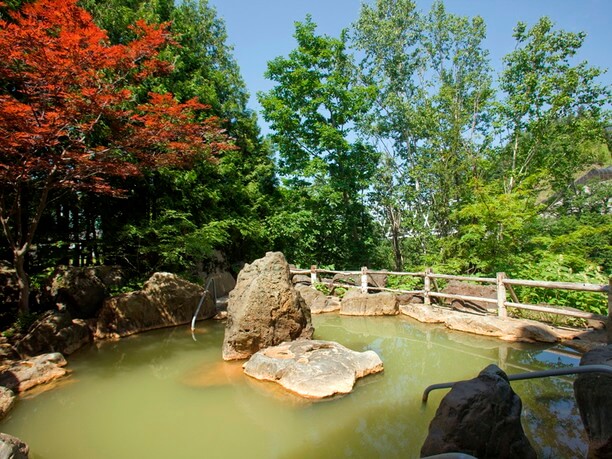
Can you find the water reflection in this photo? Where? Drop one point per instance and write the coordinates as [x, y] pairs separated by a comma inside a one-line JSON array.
[[161, 394], [433, 354]]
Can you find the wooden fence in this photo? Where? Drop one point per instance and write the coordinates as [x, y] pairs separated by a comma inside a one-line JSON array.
[[504, 287]]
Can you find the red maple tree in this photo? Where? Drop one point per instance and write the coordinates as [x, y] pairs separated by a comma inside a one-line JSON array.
[[68, 118]]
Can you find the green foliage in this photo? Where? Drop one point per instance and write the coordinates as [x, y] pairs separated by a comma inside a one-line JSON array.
[[323, 288], [313, 111], [25, 321], [494, 230], [173, 242], [385, 155], [432, 84], [131, 285], [404, 282], [554, 267], [551, 106], [175, 219]]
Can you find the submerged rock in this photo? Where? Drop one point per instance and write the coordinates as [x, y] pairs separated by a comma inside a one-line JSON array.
[[264, 309], [594, 397], [165, 300], [26, 374], [313, 368], [481, 417]]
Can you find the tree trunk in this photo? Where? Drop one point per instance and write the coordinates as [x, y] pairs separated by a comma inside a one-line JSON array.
[[397, 251], [22, 281], [395, 238]]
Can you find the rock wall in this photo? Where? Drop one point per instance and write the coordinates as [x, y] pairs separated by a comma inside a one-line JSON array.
[[507, 329], [467, 289]]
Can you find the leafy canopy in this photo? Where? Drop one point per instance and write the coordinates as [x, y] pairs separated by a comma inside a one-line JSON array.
[[71, 119]]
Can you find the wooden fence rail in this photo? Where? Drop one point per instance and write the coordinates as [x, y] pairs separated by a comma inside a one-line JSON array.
[[503, 283]]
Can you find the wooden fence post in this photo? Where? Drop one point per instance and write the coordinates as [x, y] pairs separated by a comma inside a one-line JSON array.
[[427, 287], [364, 279], [313, 276], [609, 324], [501, 296]]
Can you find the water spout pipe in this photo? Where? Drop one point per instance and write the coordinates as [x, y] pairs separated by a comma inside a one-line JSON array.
[[532, 375], [193, 320]]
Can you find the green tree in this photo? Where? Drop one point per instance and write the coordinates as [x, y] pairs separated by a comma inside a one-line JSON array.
[[551, 106], [458, 122], [430, 116], [313, 111], [388, 35], [71, 122], [224, 206]]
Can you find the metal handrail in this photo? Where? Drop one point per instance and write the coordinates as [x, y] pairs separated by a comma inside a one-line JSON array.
[[532, 375], [193, 320]]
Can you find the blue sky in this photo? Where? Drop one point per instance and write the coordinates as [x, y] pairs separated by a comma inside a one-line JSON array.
[[260, 30]]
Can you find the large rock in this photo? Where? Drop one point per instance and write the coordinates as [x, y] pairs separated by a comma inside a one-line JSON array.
[[594, 396], [355, 303], [317, 301], [165, 300], [373, 279], [13, 448], [301, 279], [507, 329], [377, 280], [264, 309], [348, 279], [481, 417], [406, 298], [25, 374], [82, 290], [7, 351], [476, 290], [55, 331], [311, 368], [221, 283], [7, 401]]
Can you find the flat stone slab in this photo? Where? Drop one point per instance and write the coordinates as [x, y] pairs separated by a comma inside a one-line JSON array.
[[26, 374], [313, 368], [507, 329]]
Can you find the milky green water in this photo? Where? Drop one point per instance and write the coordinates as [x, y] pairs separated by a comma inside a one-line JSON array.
[[163, 395]]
